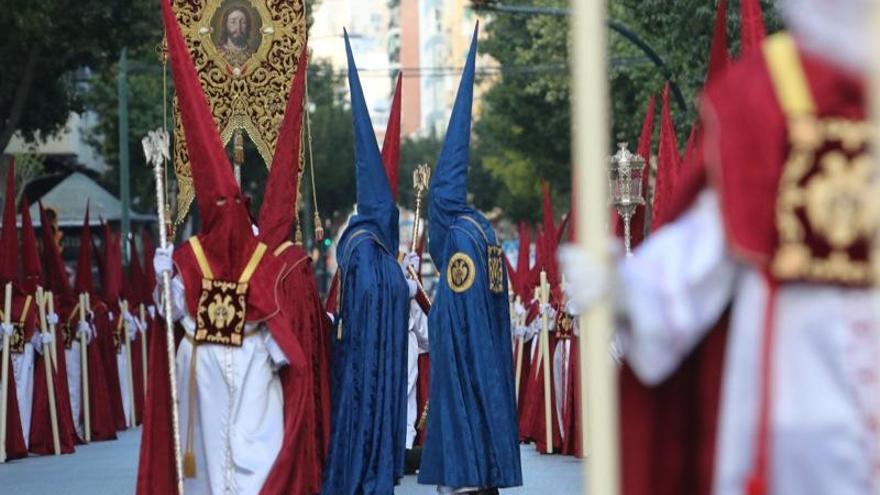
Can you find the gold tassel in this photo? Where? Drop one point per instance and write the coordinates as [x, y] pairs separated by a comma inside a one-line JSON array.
[[424, 418], [238, 147], [189, 465], [319, 228]]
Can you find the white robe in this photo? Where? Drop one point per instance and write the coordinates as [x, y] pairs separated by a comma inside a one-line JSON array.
[[418, 344], [824, 400], [74, 384], [23, 369], [122, 371], [239, 423]]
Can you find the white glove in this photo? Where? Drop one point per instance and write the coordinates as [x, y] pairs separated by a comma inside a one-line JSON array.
[[519, 309], [410, 260], [412, 286], [588, 280], [163, 261], [131, 322], [40, 339], [151, 310], [6, 329], [83, 328], [52, 318]]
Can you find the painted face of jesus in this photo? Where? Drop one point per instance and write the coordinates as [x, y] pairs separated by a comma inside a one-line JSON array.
[[237, 28]]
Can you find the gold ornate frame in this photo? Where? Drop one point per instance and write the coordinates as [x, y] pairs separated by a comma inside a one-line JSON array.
[[251, 97]]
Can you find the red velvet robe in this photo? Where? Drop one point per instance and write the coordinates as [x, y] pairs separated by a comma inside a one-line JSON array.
[[41, 442], [15, 446]]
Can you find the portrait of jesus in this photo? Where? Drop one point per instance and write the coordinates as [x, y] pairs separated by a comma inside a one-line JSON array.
[[236, 32]]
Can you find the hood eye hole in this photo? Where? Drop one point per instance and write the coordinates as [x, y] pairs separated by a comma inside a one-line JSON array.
[[221, 201]]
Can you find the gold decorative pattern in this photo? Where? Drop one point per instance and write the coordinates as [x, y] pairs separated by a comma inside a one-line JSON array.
[[460, 272], [564, 325], [825, 198], [246, 90], [221, 312], [496, 269]]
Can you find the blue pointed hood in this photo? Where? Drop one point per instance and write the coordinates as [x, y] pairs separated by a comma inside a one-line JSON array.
[[376, 208], [448, 191]]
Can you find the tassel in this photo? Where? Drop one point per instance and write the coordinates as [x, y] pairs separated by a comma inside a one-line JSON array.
[[238, 148], [189, 465], [319, 229]]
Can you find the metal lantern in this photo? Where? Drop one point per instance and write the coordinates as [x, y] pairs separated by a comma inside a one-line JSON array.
[[625, 184]]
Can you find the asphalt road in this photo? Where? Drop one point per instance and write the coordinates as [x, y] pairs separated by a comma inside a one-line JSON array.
[[109, 468]]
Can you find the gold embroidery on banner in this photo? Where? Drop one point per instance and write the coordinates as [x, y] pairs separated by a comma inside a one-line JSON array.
[[460, 272], [496, 269], [246, 75]]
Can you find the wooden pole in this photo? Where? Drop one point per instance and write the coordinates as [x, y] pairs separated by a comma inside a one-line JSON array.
[[132, 418], [51, 301], [4, 374], [50, 379], [143, 310], [545, 348], [590, 140], [84, 369]]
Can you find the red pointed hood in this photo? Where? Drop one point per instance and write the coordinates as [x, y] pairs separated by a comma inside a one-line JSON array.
[[523, 259], [84, 281], [667, 165], [752, 25], [226, 234], [9, 236], [55, 278], [29, 251], [112, 266], [278, 212], [549, 237], [391, 145], [719, 57]]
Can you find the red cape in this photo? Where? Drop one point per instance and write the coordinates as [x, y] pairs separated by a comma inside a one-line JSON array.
[[41, 442], [299, 466]]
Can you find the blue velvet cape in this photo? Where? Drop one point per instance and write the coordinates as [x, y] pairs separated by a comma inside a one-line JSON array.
[[368, 380], [472, 437]]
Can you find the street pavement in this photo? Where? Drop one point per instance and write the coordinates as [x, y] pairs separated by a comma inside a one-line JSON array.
[[109, 468]]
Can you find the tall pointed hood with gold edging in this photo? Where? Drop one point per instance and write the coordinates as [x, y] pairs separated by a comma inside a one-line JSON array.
[[226, 236], [278, 212], [448, 192]]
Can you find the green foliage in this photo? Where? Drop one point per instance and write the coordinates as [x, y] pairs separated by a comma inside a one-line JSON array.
[[523, 133], [145, 113], [46, 42]]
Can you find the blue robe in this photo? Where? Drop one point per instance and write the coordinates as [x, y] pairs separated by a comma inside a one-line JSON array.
[[472, 432], [368, 383]]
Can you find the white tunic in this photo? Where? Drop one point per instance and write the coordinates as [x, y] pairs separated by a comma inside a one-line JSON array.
[[418, 344], [239, 417], [824, 400], [23, 369], [74, 383]]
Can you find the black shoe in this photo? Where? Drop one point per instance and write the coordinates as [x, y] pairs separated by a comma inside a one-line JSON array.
[[412, 460], [484, 491]]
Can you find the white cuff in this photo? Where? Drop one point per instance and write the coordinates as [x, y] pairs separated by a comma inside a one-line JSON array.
[[6, 329], [52, 318], [275, 352]]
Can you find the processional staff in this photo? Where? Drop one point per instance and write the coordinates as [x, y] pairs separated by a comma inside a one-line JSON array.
[[156, 149], [590, 122]]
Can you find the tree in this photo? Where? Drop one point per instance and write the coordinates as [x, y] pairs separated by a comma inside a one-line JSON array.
[[46, 42], [523, 133]]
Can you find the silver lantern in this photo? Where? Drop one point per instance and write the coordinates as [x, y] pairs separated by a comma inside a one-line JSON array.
[[625, 183]]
